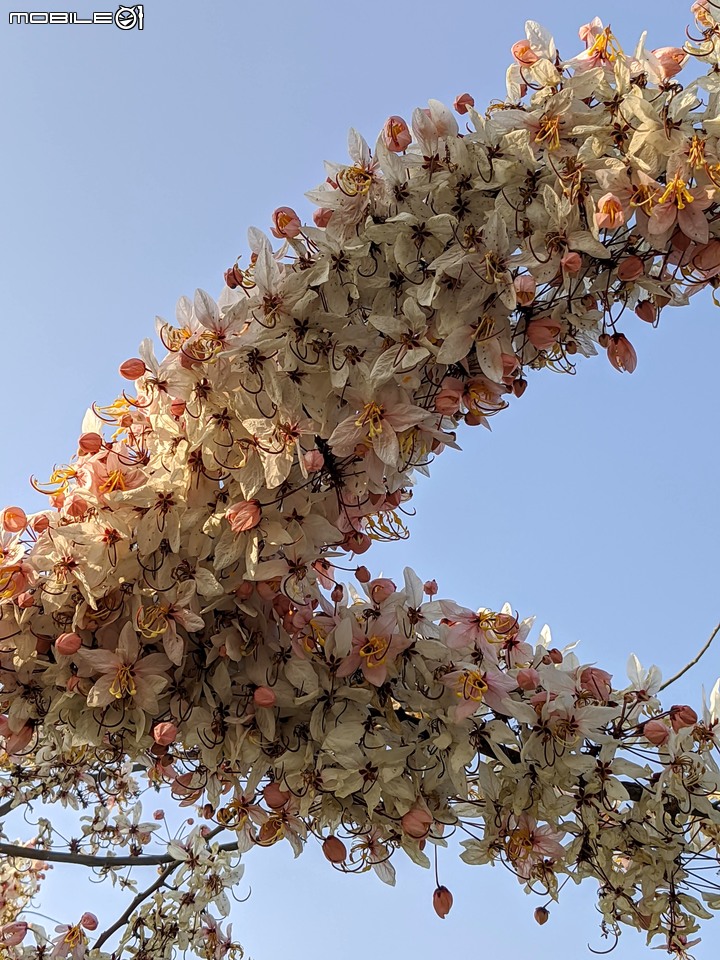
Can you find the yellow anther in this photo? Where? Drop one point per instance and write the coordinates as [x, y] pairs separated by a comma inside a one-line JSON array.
[[124, 683]]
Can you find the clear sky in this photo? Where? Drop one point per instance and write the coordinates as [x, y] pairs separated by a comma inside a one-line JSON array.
[[134, 162]]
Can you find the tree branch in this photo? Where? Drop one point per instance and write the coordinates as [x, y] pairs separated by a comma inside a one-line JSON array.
[[692, 662], [88, 860], [143, 895]]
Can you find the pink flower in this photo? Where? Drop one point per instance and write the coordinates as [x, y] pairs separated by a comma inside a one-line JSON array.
[[609, 213], [125, 674], [524, 289], [377, 423], [670, 60], [244, 515], [71, 940], [375, 651], [596, 682], [11, 934], [527, 844], [264, 697], [396, 135], [523, 53], [286, 223], [682, 205], [380, 589]]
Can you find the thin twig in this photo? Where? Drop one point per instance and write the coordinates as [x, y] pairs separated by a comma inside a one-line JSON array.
[[160, 882], [692, 662]]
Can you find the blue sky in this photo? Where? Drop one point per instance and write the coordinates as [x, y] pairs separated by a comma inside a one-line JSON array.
[[134, 163]]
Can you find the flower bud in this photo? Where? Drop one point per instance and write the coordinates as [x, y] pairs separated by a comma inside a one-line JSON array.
[[40, 523], [356, 542], [264, 697], [233, 277], [656, 732], [363, 575], [244, 515], [555, 655], [274, 797], [177, 407], [68, 644], [164, 733], [621, 353], [442, 902], [25, 599], [322, 216], [89, 921], [596, 682], [430, 588], [528, 679], [542, 915], [417, 822], [671, 60], [630, 269], [132, 369], [682, 716], [90, 442], [286, 223], [337, 593], [571, 262], [462, 102], [395, 135], [543, 333], [645, 309], [14, 519], [334, 849], [519, 387]]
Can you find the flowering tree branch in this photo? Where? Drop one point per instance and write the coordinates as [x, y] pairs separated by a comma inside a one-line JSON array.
[[178, 613], [681, 673]]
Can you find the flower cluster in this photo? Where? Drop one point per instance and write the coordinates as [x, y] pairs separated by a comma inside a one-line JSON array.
[[180, 605]]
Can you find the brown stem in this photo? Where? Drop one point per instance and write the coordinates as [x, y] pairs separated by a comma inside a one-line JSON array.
[[692, 662]]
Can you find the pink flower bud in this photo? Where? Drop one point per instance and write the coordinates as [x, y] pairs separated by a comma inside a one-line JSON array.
[[132, 369], [286, 223], [338, 592], [363, 575], [244, 515], [274, 797], [313, 461], [528, 679], [430, 588], [525, 287], [40, 523], [356, 542], [656, 732], [462, 102], [381, 589], [596, 682], [630, 269], [645, 309], [68, 644], [14, 519], [164, 733], [416, 823], [523, 53], [555, 655], [621, 353], [334, 849], [158, 815], [89, 921], [543, 333], [177, 407], [571, 262], [682, 716], [25, 599], [671, 60], [233, 277], [90, 443], [442, 902], [541, 915], [264, 697], [322, 216], [396, 135], [11, 934]]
